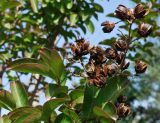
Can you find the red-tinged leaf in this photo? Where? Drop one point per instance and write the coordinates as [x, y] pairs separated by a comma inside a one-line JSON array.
[[29, 66], [6, 100], [25, 115]]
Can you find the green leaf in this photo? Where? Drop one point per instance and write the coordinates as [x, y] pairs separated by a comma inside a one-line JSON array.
[[148, 45], [99, 112], [34, 5], [76, 93], [69, 4], [88, 102], [64, 78], [5, 119], [53, 90], [77, 97], [19, 94], [4, 56], [51, 65], [109, 42], [103, 120], [98, 7], [54, 62], [50, 105], [102, 114], [73, 18], [70, 113], [8, 4], [83, 28], [29, 65], [90, 26], [110, 15], [112, 88], [25, 115], [62, 118], [84, 15], [6, 100], [110, 109]]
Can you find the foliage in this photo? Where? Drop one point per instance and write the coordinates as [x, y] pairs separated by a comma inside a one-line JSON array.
[[30, 33]]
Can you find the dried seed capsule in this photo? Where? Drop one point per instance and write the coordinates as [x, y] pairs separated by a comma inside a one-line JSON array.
[[119, 58], [97, 81], [126, 65], [108, 26], [144, 29], [111, 53], [124, 13], [139, 11], [123, 110], [140, 67], [80, 48], [110, 70], [90, 69], [98, 55], [75, 49], [122, 99], [121, 45]]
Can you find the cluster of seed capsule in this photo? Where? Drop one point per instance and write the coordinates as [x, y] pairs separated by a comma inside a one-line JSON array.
[[104, 63], [130, 15], [123, 109]]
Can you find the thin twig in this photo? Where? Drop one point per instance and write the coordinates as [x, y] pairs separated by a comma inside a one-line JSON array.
[[128, 43], [136, 39], [118, 22], [122, 33]]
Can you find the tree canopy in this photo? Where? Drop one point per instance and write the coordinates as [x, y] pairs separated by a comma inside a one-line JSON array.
[[107, 82]]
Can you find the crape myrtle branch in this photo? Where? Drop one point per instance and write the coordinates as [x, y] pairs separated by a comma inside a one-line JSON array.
[[104, 63], [108, 62]]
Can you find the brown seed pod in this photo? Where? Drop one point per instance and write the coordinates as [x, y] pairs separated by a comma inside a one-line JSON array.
[[126, 65], [124, 13], [75, 49], [80, 48], [90, 67], [110, 70], [140, 67], [97, 81], [108, 26], [121, 45], [139, 11], [122, 99], [144, 29], [97, 54], [111, 53], [123, 110], [119, 58]]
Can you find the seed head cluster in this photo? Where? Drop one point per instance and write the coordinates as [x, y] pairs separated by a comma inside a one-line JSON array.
[[107, 62], [103, 63]]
